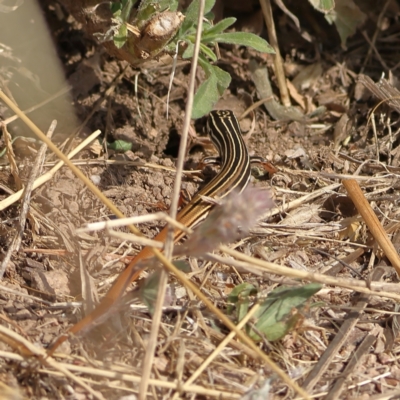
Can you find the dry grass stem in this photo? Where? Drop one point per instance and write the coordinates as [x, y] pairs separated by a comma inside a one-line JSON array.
[[372, 222], [11, 157], [95, 226], [355, 361], [273, 39], [250, 263], [117, 162], [302, 200], [169, 243], [27, 350], [50, 174], [130, 237], [15, 245], [220, 347], [335, 345], [115, 373]]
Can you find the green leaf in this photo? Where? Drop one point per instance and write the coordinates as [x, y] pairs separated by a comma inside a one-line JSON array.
[[275, 317], [207, 52], [208, 17], [277, 331], [208, 6], [149, 291], [192, 12], [205, 98], [170, 5], [126, 9], [239, 296], [218, 28], [183, 266], [323, 6], [190, 16], [146, 10], [120, 38], [205, 64], [188, 53], [241, 39], [116, 8], [120, 145], [224, 79], [210, 90]]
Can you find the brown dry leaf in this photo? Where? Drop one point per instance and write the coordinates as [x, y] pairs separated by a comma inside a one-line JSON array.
[[350, 228], [302, 215], [295, 95], [342, 130], [96, 148]]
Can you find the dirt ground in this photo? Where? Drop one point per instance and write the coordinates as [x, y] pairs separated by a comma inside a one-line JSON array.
[[316, 227]]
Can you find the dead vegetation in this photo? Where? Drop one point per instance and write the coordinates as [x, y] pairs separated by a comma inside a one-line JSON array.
[[323, 229]]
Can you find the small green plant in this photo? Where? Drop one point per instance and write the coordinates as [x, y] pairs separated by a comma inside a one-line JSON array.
[[181, 36], [121, 12], [217, 80], [278, 313]]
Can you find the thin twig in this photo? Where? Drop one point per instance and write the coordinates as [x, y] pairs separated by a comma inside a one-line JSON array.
[[36, 170], [254, 106], [374, 38], [356, 359]]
